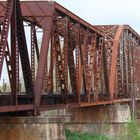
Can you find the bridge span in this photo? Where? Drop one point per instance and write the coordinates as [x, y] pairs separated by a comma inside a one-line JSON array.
[[54, 59]]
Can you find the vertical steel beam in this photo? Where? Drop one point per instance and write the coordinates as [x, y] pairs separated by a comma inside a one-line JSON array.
[[17, 69], [50, 78], [60, 66], [124, 67], [82, 75], [13, 55], [71, 64], [78, 68], [119, 85], [98, 69], [33, 52], [105, 71], [66, 37], [83, 57], [52, 64], [90, 66]]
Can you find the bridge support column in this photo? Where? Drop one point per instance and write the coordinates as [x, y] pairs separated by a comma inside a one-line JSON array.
[[32, 128], [109, 120]]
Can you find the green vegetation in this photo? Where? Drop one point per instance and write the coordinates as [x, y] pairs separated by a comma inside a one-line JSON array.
[[83, 136], [133, 130]]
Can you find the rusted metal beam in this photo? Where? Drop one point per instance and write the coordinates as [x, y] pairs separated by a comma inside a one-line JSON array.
[[22, 46], [112, 78], [4, 33], [33, 52], [76, 18], [13, 55], [92, 51], [11, 108], [83, 59], [42, 59]]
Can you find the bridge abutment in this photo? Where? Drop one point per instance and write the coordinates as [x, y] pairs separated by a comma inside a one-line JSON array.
[[109, 120], [32, 128]]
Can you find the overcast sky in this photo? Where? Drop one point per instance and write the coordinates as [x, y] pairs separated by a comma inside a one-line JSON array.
[[106, 11]]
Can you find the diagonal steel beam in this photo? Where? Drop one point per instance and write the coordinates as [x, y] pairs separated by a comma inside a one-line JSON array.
[[112, 78], [42, 59], [5, 30]]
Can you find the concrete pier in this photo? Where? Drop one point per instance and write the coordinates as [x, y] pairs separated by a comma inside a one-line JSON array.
[[109, 120], [32, 128]]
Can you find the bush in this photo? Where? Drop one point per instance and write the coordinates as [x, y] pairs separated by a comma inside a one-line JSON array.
[[83, 136]]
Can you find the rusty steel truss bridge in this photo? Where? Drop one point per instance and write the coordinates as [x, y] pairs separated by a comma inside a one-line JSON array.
[[50, 58]]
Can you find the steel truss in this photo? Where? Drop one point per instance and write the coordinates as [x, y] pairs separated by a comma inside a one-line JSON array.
[[76, 65]]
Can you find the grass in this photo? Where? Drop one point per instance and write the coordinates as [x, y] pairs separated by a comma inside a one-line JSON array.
[[83, 136], [133, 130], [132, 127]]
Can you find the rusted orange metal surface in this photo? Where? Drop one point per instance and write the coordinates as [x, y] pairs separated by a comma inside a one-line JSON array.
[[55, 59]]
